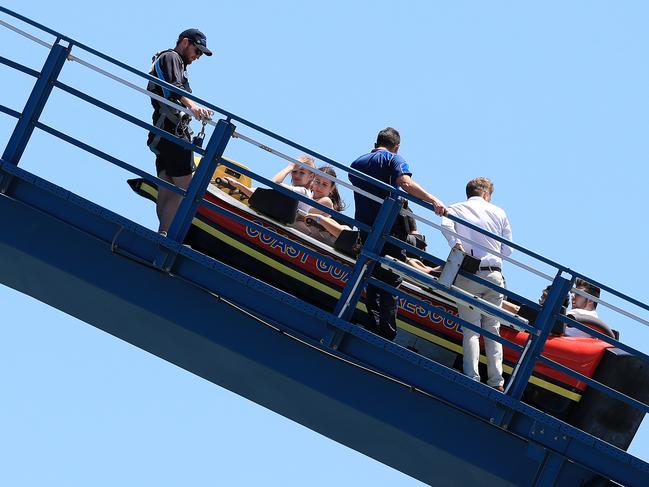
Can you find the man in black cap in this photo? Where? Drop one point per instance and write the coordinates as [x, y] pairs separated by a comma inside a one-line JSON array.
[[174, 163]]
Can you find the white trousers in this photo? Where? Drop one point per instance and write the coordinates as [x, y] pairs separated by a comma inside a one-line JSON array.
[[471, 339]]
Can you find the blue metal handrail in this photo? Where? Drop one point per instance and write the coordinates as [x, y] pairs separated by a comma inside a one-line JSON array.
[[271, 134], [445, 314], [369, 255], [191, 96], [436, 260], [595, 384]]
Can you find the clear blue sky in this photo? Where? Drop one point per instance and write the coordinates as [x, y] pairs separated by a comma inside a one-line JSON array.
[[549, 99]]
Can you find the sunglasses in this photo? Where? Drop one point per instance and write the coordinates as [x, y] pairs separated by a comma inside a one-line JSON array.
[[199, 53]]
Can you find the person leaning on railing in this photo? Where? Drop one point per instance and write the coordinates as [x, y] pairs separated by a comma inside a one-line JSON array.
[[383, 163], [174, 163], [479, 211]]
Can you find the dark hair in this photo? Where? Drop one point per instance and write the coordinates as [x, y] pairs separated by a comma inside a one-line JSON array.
[[336, 200], [566, 300], [589, 288], [388, 138], [477, 186]]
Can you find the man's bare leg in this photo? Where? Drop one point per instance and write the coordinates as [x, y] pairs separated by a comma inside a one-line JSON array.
[[168, 201]]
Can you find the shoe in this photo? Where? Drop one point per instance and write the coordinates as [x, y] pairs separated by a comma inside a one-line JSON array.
[[499, 388]]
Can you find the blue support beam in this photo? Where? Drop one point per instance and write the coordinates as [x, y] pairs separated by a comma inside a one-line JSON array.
[[426, 414], [35, 103], [426, 411], [201, 179], [545, 321], [364, 266]]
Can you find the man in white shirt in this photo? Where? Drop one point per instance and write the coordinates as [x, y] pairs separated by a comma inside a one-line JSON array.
[[479, 211]]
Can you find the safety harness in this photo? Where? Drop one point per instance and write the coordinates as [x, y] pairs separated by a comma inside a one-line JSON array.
[[178, 119]]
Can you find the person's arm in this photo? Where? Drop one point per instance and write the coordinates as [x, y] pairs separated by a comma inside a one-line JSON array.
[[281, 176], [420, 266], [329, 224], [201, 113], [170, 69], [412, 187], [511, 307], [507, 233], [448, 226], [326, 201], [241, 187]]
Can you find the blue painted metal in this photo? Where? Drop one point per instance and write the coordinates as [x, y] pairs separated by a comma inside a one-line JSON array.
[[107, 157], [549, 471], [19, 67], [130, 118], [611, 290], [427, 413], [426, 410], [213, 152], [437, 261], [445, 314], [175, 89], [603, 337], [596, 385], [433, 283], [364, 266], [551, 309], [35, 103], [278, 187], [9, 111], [276, 236]]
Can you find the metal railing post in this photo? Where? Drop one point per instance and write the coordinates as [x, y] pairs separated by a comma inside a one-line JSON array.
[[33, 108], [545, 321], [201, 179], [364, 266]]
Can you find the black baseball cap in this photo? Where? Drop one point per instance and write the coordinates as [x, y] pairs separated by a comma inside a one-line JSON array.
[[197, 38]]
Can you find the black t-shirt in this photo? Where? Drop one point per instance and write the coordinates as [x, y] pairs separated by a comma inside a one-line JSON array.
[[170, 67]]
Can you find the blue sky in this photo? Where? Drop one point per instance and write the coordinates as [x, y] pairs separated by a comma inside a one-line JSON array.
[[548, 99]]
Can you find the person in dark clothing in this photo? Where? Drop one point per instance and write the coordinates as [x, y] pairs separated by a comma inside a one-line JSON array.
[[174, 163], [383, 163]]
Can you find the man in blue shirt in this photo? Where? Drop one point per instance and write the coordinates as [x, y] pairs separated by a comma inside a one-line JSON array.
[[384, 164]]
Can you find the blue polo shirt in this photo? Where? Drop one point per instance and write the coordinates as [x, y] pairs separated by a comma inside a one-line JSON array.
[[384, 166]]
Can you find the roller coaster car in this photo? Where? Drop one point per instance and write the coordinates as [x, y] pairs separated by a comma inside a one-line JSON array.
[[318, 281]]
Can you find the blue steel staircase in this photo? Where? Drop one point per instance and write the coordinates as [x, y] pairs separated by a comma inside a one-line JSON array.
[[236, 331]]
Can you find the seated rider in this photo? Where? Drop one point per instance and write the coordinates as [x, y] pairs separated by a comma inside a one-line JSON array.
[[582, 307], [530, 314], [326, 193], [301, 179], [335, 229]]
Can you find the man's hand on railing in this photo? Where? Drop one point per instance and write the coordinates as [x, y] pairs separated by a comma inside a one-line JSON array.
[[201, 113], [440, 207]]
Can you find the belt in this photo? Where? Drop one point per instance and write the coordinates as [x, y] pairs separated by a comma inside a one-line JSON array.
[[491, 268]]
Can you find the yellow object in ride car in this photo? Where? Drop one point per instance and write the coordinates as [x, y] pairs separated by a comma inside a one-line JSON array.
[[223, 171]]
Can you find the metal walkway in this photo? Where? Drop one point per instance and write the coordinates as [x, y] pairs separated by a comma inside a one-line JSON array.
[[307, 364]]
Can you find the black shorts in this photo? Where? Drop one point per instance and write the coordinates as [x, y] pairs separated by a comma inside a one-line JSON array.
[[175, 160]]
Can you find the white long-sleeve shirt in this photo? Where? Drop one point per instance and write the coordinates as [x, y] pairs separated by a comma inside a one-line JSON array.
[[484, 215]]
